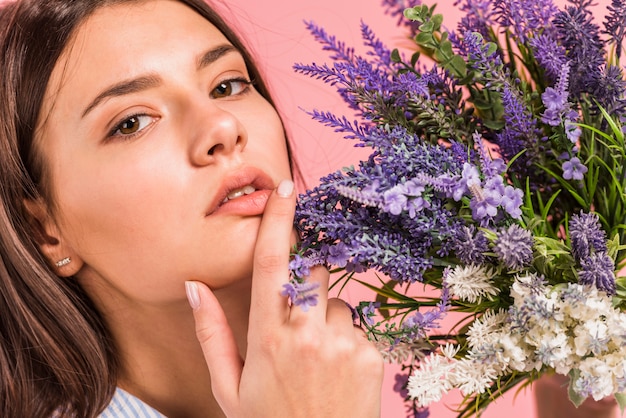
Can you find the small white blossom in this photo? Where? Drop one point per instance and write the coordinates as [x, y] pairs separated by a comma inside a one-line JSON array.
[[482, 329], [402, 352], [471, 377], [432, 380], [471, 283]]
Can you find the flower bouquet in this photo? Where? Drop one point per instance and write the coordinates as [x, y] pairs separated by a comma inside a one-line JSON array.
[[494, 192]]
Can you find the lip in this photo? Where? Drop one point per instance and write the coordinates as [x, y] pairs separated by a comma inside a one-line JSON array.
[[247, 205]]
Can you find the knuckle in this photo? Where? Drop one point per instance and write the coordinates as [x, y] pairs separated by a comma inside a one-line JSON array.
[[270, 343], [309, 344], [372, 360], [206, 334], [269, 263]]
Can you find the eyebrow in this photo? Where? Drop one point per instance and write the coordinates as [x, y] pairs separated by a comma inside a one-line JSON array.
[[146, 82], [212, 55], [123, 88]]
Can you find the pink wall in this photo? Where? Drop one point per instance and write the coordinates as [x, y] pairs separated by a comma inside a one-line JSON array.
[[277, 35]]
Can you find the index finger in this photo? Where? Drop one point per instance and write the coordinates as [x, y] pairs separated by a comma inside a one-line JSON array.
[[271, 258]]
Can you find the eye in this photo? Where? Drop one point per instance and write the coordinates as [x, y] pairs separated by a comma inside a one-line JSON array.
[[231, 87], [132, 125]]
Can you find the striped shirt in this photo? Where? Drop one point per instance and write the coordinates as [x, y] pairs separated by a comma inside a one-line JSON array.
[[125, 405]]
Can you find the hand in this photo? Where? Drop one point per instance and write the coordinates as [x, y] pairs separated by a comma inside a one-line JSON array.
[[298, 364]]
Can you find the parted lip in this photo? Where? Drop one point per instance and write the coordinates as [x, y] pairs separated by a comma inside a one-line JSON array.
[[236, 180]]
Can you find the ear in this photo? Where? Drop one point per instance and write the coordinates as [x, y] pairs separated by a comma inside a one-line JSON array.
[[60, 256]]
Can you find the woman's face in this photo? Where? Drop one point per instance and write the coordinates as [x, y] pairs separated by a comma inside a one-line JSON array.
[[161, 153]]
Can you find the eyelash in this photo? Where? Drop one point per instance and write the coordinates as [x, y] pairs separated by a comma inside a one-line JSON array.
[[246, 84], [115, 132]]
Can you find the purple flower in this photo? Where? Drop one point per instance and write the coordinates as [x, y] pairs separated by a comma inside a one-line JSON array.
[[598, 270], [485, 200], [338, 254], [585, 49], [478, 16], [512, 201], [301, 293], [520, 131], [490, 167], [299, 266], [525, 17], [396, 8], [554, 99], [369, 311], [574, 169], [469, 177], [470, 245], [615, 24], [586, 235], [550, 54], [514, 247], [395, 201], [572, 131], [419, 324]]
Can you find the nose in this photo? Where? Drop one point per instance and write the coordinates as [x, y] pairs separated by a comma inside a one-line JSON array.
[[218, 134]]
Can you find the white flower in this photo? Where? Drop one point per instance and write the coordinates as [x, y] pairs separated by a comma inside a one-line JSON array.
[[432, 380], [486, 328], [555, 350], [591, 337], [449, 351], [472, 377], [597, 378], [523, 286], [402, 352], [515, 352], [471, 283]]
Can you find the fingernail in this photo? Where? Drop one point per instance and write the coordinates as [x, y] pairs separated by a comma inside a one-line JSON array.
[[285, 188], [192, 295]]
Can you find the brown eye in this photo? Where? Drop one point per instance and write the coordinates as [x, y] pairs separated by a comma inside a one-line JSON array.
[[223, 90], [129, 126], [230, 88], [132, 125]]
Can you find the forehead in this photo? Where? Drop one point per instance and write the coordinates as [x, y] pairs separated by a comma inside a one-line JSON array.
[[125, 40]]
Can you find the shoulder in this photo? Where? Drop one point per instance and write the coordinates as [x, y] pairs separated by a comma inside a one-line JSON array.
[[125, 405]]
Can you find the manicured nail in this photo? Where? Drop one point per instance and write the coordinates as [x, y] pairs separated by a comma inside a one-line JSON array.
[[285, 188], [192, 295]]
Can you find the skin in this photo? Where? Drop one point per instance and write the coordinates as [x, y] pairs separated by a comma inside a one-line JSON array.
[[137, 180]]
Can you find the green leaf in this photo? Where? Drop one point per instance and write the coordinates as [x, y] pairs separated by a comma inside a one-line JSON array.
[[425, 39], [457, 65], [621, 401], [494, 124], [491, 48], [414, 58], [427, 26], [437, 21], [576, 398], [395, 55], [414, 14], [617, 131], [613, 246]]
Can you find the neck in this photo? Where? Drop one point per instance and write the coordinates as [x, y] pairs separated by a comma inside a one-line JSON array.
[[161, 360]]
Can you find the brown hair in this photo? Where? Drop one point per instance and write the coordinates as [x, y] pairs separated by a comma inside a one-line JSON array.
[[56, 354]]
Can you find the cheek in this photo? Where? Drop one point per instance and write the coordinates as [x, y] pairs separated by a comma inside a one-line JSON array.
[[110, 206], [272, 143]]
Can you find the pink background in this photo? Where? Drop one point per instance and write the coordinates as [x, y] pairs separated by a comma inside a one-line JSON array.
[[276, 33], [277, 36]]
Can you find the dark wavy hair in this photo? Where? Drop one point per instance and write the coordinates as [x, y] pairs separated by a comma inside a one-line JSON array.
[[56, 355]]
